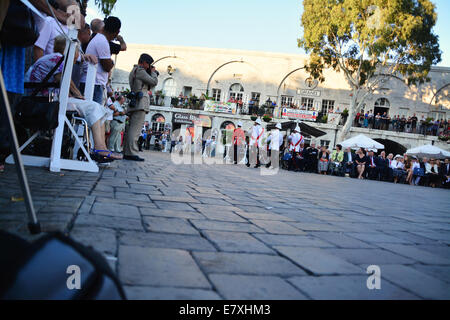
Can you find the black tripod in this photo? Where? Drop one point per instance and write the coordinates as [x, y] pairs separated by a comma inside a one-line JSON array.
[[33, 224]]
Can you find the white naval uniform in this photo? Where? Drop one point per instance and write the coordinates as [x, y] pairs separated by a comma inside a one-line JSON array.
[[296, 141], [275, 139], [257, 133]]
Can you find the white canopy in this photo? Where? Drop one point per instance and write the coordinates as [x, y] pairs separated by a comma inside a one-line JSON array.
[[361, 141], [429, 151]]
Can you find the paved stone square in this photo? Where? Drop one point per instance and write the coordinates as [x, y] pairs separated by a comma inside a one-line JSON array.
[[228, 232]]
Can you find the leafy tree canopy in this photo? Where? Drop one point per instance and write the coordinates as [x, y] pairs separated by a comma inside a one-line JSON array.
[[360, 37]]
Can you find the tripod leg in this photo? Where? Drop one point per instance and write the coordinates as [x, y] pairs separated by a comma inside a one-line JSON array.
[[33, 224]]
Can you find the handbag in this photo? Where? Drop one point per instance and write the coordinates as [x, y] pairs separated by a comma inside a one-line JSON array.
[[37, 113], [419, 172], [19, 28]]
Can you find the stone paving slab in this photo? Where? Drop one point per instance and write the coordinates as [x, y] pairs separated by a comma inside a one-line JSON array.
[[164, 240], [226, 226], [346, 287], [169, 225], [159, 267], [243, 263], [237, 242], [277, 227], [167, 293], [238, 287], [318, 261], [415, 281]]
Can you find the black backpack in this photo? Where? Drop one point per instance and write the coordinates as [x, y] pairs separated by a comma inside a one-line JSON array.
[[46, 270]]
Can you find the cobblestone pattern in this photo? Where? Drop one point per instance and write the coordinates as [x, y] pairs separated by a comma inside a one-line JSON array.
[[228, 232]]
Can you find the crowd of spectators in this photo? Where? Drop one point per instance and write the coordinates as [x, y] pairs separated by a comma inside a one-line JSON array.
[[98, 41], [365, 164], [410, 124]]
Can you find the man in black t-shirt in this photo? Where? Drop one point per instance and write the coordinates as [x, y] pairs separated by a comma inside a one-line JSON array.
[[414, 123]]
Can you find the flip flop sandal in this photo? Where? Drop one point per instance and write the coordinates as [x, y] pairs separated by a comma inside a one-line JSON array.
[[96, 156]]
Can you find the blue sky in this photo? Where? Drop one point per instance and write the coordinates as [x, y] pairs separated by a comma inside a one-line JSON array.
[[262, 25]]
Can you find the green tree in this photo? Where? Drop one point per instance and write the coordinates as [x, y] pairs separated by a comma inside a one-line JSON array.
[[106, 6], [370, 41]]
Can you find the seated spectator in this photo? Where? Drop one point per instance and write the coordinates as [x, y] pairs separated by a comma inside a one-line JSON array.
[[92, 112], [360, 162], [349, 166], [336, 160], [49, 31], [413, 171], [382, 165], [432, 170], [390, 160], [445, 172], [324, 159], [398, 168], [371, 166]]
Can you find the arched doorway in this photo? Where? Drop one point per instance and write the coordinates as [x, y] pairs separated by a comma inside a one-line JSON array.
[[170, 88], [392, 147], [381, 106], [236, 92], [158, 122], [226, 131]]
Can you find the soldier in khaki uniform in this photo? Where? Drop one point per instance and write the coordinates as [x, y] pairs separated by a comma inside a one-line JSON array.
[[141, 81]]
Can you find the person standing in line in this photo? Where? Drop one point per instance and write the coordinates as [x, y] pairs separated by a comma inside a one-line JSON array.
[[238, 142], [99, 47], [117, 125], [296, 139], [275, 141], [255, 143], [142, 79]]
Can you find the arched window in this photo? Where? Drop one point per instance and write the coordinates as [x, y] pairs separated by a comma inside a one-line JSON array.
[[236, 92], [237, 87], [382, 103], [226, 130], [227, 125], [170, 87], [158, 118], [158, 121]]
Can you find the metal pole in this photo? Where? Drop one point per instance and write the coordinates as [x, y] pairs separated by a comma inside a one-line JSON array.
[[212, 75], [33, 224]]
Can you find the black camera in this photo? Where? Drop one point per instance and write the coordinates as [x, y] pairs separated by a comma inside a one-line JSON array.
[[149, 71], [134, 97]]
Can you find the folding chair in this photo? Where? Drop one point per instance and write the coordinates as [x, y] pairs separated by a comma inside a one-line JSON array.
[[54, 162]]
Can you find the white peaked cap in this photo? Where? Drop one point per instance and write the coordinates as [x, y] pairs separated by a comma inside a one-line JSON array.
[[258, 121], [239, 124], [297, 128], [278, 126]]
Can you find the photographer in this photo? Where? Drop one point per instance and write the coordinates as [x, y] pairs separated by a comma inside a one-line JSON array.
[[143, 78]]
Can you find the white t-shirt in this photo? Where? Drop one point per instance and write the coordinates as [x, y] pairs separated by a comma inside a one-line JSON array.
[[50, 30], [98, 47]]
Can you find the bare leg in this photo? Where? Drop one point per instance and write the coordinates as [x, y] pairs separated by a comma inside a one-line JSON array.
[[98, 131]]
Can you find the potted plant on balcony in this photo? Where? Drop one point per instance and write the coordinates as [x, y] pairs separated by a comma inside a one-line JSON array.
[[344, 116], [267, 118], [254, 117], [444, 137]]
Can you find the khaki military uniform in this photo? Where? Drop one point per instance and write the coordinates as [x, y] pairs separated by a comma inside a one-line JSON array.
[[140, 81]]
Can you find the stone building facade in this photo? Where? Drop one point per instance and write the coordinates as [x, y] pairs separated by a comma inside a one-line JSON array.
[[277, 77]]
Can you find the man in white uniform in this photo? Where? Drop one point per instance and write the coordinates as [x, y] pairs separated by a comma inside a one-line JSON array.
[[275, 141], [296, 140], [257, 132]]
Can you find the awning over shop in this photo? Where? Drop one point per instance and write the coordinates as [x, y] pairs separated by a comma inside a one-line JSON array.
[[307, 130]]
